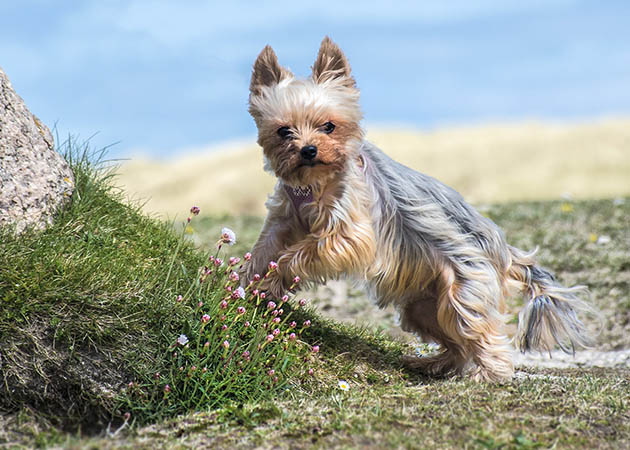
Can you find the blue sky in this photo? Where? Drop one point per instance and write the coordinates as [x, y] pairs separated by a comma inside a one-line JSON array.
[[165, 78]]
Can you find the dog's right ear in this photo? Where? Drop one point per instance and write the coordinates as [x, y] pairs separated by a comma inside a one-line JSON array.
[[267, 71]]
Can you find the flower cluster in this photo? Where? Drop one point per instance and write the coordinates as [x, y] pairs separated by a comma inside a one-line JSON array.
[[235, 342]]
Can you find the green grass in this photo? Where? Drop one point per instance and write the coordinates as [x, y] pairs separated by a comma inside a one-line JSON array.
[[90, 316], [85, 310], [84, 304]]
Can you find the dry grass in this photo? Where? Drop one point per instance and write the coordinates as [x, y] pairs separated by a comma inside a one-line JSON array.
[[487, 164]]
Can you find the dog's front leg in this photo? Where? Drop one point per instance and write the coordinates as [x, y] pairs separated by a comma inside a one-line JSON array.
[[321, 256], [274, 238]]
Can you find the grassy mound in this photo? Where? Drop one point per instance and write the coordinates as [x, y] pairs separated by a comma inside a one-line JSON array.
[[106, 317]]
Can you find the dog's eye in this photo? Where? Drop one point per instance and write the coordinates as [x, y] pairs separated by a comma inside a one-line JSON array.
[[328, 127], [284, 132]]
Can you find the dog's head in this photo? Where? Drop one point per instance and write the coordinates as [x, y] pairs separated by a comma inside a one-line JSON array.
[[309, 128]]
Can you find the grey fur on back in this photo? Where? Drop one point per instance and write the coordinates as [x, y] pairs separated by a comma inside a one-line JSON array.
[[415, 202]]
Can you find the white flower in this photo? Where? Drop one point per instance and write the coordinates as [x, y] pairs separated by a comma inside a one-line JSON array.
[[426, 349], [240, 291], [603, 239], [182, 339], [343, 385], [228, 236]]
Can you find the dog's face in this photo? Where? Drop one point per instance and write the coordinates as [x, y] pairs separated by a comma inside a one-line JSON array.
[[306, 127]]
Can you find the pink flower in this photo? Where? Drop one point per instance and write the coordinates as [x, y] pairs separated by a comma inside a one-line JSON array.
[[246, 324], [271, 305], [269, 337], [263, 295], [274, 312], [156, 375], [207, 344], [276, 320], [276, 332], [271, 372], [302, 302], [285, 298], [315, 348], [223, 304], [247, 256], [179, 299], [280, 311], [234, 260], [293, 324], [234, 276], [292, 337], [205, 318], [307, 323], [194, 210], [240, 292], [273, 265], [240, 310], [310, 371], [296, 279], [200, 304], [167, 389], [255, 292], [246, 354], [226, 344], [223, 327], [218, 262]]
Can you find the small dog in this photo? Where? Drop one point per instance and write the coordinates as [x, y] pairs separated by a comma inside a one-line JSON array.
[[341, 207]]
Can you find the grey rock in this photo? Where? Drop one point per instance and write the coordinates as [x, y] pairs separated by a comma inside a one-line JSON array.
[[35, 180]]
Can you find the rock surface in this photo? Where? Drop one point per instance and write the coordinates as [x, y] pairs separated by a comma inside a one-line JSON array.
[[35, 180]]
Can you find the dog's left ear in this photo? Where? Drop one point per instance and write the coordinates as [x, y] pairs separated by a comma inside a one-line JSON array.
[[332, 64]]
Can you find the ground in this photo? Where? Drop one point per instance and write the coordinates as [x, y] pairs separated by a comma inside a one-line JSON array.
[[562, 402], [583, 404]]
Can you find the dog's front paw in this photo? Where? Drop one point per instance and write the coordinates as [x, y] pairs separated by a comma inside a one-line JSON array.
[[273, 284]]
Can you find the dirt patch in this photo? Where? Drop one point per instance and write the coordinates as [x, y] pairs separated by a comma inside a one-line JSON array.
[[585, 358], [78, 383]]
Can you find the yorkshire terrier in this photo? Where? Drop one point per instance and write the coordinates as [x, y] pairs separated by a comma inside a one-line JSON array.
[[341, 207]]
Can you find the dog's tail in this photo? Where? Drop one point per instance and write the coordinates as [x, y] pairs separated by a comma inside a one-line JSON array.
[[551, 315]]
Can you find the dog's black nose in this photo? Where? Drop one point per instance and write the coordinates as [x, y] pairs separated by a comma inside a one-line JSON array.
[[308, 152]]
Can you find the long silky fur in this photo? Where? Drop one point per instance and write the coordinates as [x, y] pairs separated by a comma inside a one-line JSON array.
[[552, 313], [414, 241]]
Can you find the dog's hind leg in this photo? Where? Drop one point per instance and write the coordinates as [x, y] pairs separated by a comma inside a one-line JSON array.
[[469, 308], [420, 317], [465, 320]]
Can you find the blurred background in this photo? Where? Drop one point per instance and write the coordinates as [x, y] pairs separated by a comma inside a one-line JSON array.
[[504, 100]]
